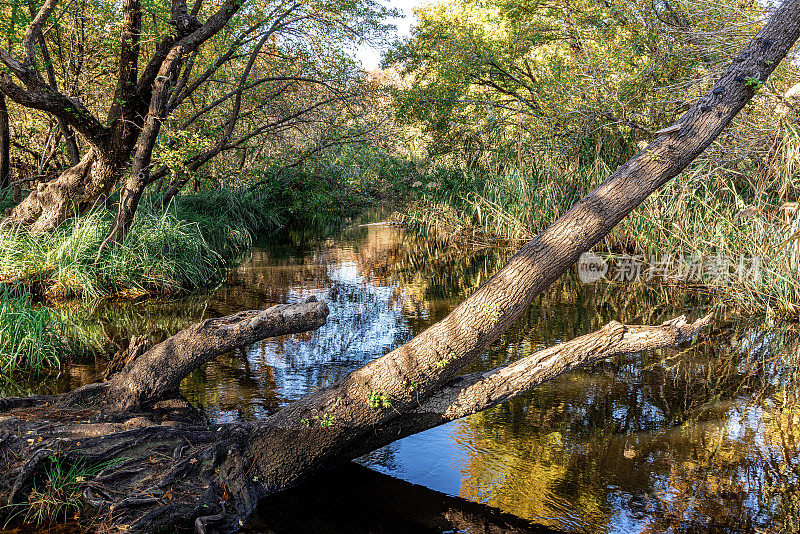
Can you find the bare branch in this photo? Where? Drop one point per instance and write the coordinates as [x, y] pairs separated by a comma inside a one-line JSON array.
[[202, 342], [34, 31], [69, 137], [40, 96], [124, 104]]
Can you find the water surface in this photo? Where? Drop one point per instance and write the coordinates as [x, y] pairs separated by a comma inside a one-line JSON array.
[[698, 439]]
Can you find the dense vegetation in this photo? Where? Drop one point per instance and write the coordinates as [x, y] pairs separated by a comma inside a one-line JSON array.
[[525, 107], [33, 337], [145, 148]]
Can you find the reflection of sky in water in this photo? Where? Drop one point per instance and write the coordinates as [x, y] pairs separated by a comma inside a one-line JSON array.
[[432, 458], [364, 323], [617, 448]]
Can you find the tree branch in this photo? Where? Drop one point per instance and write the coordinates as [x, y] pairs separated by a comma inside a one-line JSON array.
[[475, 392], [159, 371], [33, 32], [125, 94], [40, 96], [69, 137]]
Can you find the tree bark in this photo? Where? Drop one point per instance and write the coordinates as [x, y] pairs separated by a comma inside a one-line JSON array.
[[202, 467], [160, 370], [5, 146], [76, 189]]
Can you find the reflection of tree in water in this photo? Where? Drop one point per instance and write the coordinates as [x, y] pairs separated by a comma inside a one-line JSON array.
[[356, 500], [669, 442], [698, 440], [365, 322]]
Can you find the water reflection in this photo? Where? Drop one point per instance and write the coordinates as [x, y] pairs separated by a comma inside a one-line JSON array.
[[356, 500], [699, 439]]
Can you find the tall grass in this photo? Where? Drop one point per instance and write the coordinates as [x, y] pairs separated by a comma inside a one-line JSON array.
[[455, 205], [6, 200], [708, 211], [705, 214], [32, 337], [56, 497], [190, 244]]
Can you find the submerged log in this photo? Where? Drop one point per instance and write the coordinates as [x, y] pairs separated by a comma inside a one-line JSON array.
[[160, 464]]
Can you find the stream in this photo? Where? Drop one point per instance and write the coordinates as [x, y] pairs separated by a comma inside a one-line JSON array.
[[698, 439]]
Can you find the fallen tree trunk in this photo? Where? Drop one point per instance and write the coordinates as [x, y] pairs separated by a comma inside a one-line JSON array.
[[168, 465], [182, 468]]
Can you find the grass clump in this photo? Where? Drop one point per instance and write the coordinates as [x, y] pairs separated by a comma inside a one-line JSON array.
[[57, 497], [32, 337], [707, 212], [6, 200], [190, 244], [453, 204]]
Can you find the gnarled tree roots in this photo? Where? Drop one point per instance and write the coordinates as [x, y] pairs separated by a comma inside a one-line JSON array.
[[158, 464]]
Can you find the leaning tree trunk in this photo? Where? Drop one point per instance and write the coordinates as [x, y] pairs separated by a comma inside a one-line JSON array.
[[174, 470], [169, 466]]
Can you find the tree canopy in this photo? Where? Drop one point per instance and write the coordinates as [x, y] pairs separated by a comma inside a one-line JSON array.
[[492, 78]]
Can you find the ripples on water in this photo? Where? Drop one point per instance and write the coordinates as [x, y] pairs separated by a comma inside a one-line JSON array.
[[693, 440]]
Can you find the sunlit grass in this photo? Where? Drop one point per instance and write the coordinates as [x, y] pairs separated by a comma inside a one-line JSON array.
[[32, 337], [704, 212], [190, 244], [56, 497]]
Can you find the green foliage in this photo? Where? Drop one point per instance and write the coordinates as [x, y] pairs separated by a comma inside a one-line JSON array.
[[494, 82], [324, 190], [189, 245], [176, 147], [753, 83], [451, 357], [6, 200], [324, 421], [378, 400], [707, 211], [32, 336], [57, 498]]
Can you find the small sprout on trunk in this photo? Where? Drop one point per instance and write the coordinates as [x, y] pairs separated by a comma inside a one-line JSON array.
[[378, 400], [450, 358], [753, 83], [492, 312]]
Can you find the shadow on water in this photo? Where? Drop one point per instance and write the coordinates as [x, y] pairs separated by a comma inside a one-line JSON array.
[[698, 439], [377, 503]]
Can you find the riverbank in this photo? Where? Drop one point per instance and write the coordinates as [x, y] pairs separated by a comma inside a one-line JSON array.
[[33, 337], [631, 440], [703, 215]]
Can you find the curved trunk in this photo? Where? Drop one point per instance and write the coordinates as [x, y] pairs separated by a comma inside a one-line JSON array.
[[172, 467], [77, 189]]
